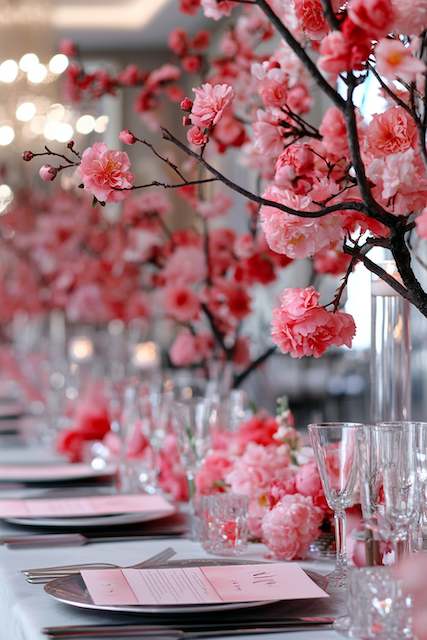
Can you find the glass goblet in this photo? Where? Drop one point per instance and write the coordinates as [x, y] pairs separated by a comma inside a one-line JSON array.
[[336, 452]]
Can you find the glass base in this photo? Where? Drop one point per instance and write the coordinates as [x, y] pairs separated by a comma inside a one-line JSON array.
[[336, 581]]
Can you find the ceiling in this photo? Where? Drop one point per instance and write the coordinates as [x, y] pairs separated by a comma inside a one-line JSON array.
[[121, 24]]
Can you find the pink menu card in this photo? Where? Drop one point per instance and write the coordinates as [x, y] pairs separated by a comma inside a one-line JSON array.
[[200, 585], [84, 506]]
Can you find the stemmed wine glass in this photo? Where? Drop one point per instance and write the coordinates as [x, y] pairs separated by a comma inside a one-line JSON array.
[[193, 423], [335, 446]]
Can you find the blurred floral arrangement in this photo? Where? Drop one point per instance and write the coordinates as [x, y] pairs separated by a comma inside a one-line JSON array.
[[330, 192], [63, 253]]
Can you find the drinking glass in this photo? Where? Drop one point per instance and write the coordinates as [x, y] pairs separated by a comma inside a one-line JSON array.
[[193, 422], [156, 416], [224, 529], [421, 455], [335, 446], [377, 605]]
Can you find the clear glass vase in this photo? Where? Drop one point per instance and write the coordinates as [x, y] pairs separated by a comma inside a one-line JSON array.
[[390, 370]]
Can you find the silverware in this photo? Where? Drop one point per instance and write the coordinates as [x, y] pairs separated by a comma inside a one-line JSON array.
[[78, 539], [189, 631], [45, 574]]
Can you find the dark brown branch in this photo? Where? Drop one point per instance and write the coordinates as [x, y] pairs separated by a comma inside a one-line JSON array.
[[388, 219], [241, 377], [170, 164], [330, 15], [165, 185]]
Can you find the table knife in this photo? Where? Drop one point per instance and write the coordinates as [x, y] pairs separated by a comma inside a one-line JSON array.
[[189, 630], [78, 539]]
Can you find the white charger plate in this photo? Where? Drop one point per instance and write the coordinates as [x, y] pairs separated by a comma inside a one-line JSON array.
[[72, 590], [91, 522], [52, 473]]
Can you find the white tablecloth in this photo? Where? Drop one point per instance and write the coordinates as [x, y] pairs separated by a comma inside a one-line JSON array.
[[25, 609]]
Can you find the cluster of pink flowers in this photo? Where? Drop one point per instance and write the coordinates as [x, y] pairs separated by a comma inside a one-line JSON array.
[[260, 460], [301, 327]]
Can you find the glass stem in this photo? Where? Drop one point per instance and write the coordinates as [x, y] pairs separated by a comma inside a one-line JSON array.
[[340, 541]]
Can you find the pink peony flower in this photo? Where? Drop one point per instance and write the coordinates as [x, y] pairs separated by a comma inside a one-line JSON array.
[[212, 473], [217, 9], [259, 429], [196, 136], [291, 526], [104, 172], [373, 16], [391, 132], [209, 104], [309, 333], [181, 303], [47, 173], [394, 60], [311, 18]]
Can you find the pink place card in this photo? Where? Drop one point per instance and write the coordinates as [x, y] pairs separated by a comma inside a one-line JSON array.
[[201, 585], [85, 506], [26, 472]]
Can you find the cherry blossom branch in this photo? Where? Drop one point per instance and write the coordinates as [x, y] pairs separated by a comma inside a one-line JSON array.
[[330, 15], [339, 293], [302, 54], [166, 185], [386, 218], [241, 377], [164, 159]]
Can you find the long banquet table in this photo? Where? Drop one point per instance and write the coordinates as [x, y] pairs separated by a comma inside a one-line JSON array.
[[25, 609]]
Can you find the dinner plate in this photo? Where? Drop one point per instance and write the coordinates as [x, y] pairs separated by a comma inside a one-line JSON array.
[[90, 522], [53, 473], [73, 591]]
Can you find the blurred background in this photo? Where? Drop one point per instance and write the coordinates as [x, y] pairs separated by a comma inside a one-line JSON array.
[[36, 110]]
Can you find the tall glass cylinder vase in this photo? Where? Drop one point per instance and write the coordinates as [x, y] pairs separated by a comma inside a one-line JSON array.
[[390, 351]]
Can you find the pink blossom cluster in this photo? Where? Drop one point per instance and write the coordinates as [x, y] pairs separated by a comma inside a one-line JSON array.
[[302, 327]]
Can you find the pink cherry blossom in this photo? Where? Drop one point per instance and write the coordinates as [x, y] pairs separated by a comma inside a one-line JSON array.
[[217, 9], [391, 132], [311, 18], [291, 235], [334, 132], [105, 172], [186, 265], [209, 104], [180, 302], [291, 526], [196, 136], [312, 332], [373, 16], [410, 16], [184, 351], [335, 53], [394, 60], [217, 206], [268, 136]]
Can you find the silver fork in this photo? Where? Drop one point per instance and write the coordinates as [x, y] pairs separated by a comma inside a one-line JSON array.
[[41, 575]]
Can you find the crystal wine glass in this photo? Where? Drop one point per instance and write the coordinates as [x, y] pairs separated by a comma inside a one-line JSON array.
[[335, 447]]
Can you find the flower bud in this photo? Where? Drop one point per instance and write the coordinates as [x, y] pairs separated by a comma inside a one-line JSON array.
[[127, 137], [48, 173], [27, 156], [186, 104]]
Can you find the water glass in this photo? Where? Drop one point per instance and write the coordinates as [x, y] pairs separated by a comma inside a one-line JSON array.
[[377, 606], [224, 523]]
